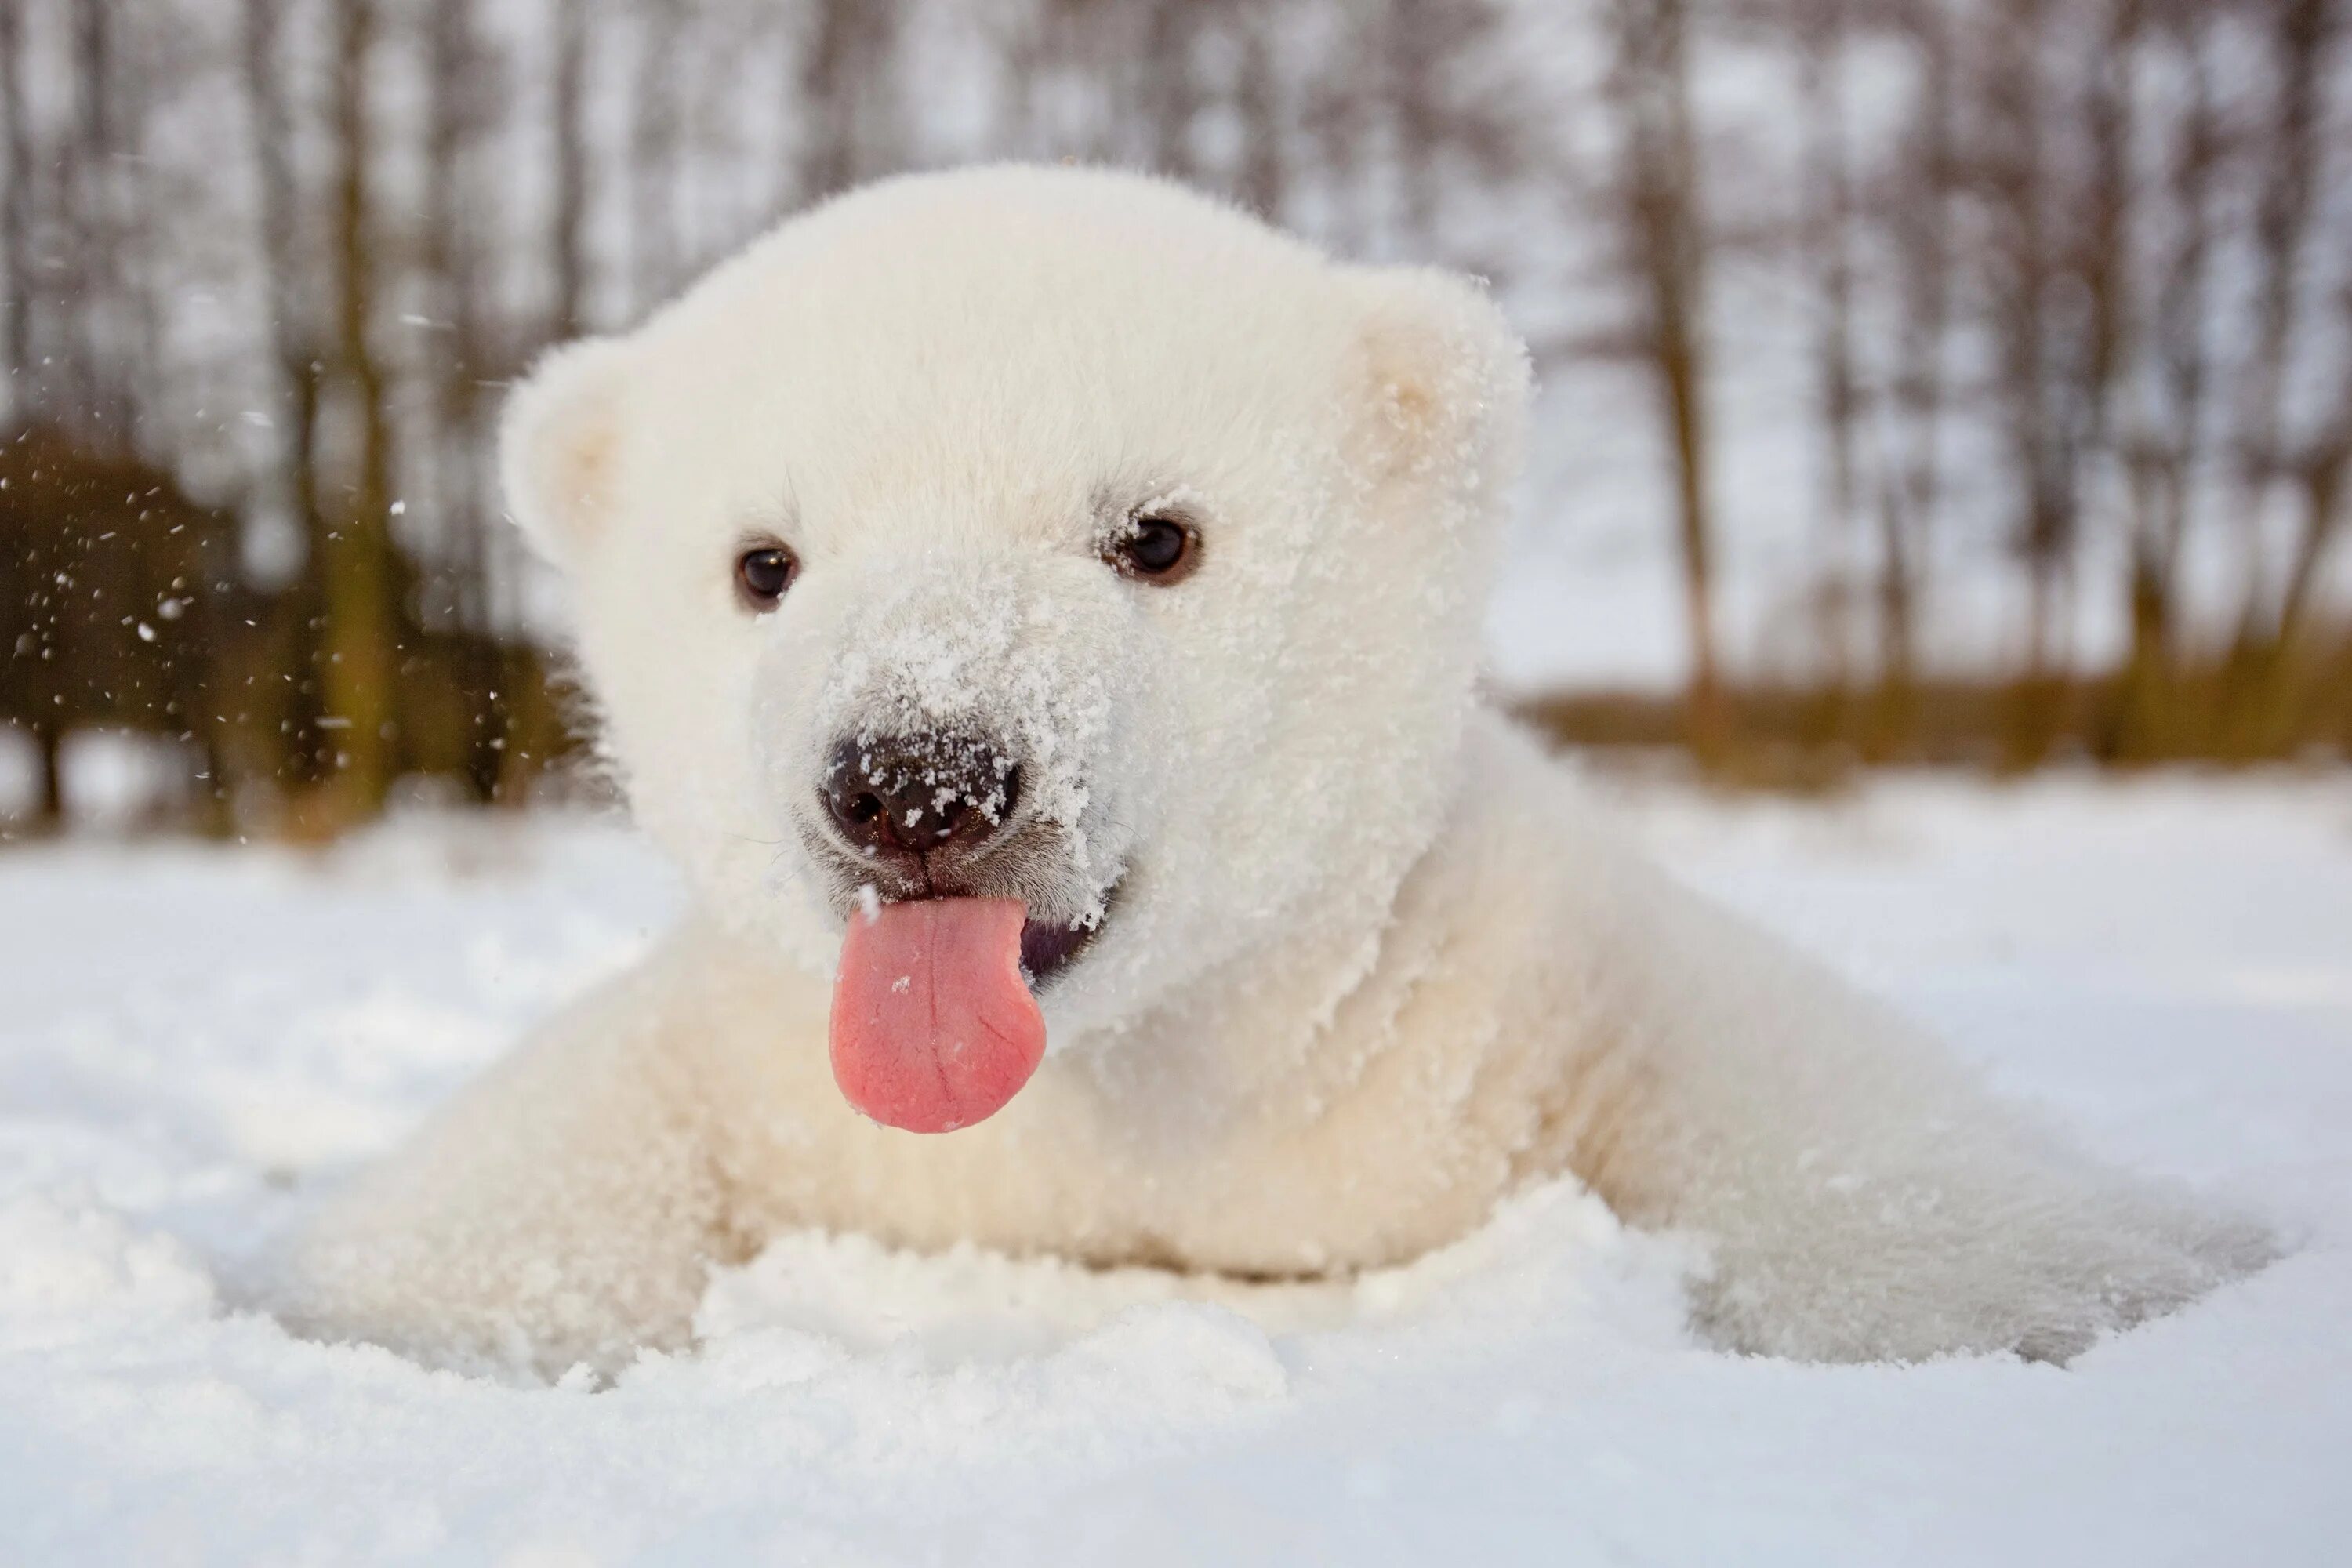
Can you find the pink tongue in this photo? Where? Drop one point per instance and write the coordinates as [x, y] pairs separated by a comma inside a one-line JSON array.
[[933, 1027]]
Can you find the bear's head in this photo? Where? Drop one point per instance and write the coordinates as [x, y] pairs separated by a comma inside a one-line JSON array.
[[1057, 552]]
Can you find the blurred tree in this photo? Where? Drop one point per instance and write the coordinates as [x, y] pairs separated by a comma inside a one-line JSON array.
[[1664, 246], [1827, 219], [16, 241], [2167, 449], [568, 136], [2301, 37], [360, 577], [847, 95], [1915, 215], [654, 139]]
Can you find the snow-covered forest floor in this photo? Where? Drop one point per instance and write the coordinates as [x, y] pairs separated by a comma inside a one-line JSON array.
[[193, 1040]]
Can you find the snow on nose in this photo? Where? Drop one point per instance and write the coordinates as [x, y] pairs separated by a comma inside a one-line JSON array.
[[992, 650], [915, 795]]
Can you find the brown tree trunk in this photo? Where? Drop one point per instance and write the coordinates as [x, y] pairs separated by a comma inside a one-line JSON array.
[[571, 136], [653, 156], [360, 645], [454, 247], [2055, 272], [1264, 176], [2272, 657], [49, 797], [1651, 86], [1894, 707], [17, 217], [841, 69], [1171, 86], [2145, 720], [2323, 490], [302, 753], [2150, 724], [1827, 208], [149, 400], [1412, 31], [2283, 208], [1911, 489]]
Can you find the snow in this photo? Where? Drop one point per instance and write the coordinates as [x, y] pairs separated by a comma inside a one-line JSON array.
[[197, 1040]]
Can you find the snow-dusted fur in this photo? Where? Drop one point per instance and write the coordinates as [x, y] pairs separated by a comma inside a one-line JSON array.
[[1369, 962]]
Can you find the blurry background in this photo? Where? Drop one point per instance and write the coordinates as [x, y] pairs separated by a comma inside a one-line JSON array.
[[1922, 381]]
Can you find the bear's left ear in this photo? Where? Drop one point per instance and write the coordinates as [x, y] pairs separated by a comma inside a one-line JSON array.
[[559, 446], [1446, 384]]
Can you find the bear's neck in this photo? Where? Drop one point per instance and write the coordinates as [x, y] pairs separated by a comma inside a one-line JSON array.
[[1289, 1032]]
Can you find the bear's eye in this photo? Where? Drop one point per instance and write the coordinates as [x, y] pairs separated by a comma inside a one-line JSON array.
[[764, 574], [1155, 549]]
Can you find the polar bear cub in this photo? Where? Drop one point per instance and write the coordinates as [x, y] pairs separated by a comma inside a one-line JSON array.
[[1039, 609]]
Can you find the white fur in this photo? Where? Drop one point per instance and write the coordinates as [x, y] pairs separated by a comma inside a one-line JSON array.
[[1369, 962]]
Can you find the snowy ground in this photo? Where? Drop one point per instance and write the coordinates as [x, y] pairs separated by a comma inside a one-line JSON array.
[[190, 1040]]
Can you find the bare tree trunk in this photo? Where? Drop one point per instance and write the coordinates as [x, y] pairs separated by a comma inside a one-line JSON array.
[[146, 393], [843, 64], [2046, 527], [2054, 269], [2303, 44], [1340, 124], [653, 155], [454, 251], [2322, 483], [17, 217], [1828, 218], [2291, 162], [305, 755], [49, 797], [1171, 86], [1911, 489], [95, 183], [827, 113], [2150, 723], [1412, 31], [2100, 266], [571, 136], [1659, 176], [360, 648], [1264, 177], [2323, 474], [2009, 164]]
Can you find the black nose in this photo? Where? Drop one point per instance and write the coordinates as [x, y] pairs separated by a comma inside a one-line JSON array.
[[920, 793]]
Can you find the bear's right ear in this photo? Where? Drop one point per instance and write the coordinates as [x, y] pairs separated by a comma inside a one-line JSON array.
[[1444, 383], [559, 446]]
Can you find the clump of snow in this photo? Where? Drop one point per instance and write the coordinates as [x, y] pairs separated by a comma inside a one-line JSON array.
[[199, 1041], [69, 1264]]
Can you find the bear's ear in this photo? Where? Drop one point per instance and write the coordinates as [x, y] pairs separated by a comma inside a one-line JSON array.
[[1447, 383], [559, 446]]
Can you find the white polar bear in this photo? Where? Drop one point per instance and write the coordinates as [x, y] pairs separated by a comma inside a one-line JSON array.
[[1061, 583]]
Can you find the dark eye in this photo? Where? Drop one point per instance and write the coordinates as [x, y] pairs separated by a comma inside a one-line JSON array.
[[764, 574], [1159, 549]]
